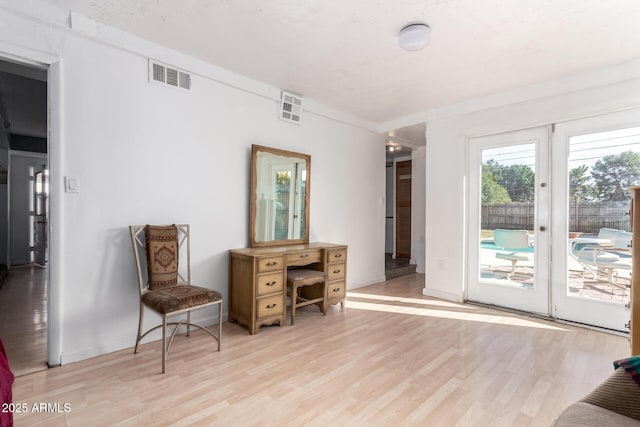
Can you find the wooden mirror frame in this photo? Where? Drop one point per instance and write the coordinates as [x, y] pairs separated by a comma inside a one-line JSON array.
[[253, 206]]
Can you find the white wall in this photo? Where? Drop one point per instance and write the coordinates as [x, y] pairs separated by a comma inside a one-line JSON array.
[[447, 135], [149, 154]]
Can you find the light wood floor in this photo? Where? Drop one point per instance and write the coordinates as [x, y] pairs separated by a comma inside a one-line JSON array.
[[23, 318], [392, 357]]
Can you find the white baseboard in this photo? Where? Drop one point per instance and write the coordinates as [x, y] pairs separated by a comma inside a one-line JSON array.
[[129, 341], [367, 283], [443, 295]]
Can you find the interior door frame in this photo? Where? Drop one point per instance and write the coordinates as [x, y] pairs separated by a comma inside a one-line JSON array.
[[496, 294], [577, 309], [54, 66]]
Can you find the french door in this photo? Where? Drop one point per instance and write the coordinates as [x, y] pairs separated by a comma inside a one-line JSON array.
[[567, 188], [594, 162], [508, 220]]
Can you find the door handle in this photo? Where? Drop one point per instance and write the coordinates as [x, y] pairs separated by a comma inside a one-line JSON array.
[[543, 228]]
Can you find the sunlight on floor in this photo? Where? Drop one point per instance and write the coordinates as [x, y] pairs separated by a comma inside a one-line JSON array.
[[443, 314], [411, 300]]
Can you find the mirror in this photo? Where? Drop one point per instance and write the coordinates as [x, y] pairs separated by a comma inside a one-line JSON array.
[[280, 182]]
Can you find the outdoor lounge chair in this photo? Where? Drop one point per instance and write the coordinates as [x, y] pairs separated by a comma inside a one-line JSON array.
[[606, 258], [512, 240]]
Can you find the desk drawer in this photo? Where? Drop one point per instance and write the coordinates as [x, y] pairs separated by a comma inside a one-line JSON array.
[[335, 272], [270, 306], [270, 283], [337, 255], [336, 290], [270, 264], [304, 258]]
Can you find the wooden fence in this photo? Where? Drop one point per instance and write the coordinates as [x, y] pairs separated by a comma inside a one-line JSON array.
[[584, 217]]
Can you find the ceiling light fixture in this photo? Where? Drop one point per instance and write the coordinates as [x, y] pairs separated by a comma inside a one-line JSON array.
[[414, 37]]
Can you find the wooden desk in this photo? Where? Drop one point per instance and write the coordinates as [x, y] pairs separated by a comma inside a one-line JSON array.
[[258, 280]]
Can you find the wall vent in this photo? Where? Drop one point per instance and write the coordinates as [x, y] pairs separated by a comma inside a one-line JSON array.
[[166, 74], [290, 107]]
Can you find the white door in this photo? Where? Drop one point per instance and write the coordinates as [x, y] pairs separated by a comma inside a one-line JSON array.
[[595, 160], [508, 220]]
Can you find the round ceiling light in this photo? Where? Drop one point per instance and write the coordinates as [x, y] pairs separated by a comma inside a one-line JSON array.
[[414, 37]]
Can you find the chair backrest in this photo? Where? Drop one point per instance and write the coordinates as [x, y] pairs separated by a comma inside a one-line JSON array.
[[162, 255], [511, 239], [608, 233], [622, 240]]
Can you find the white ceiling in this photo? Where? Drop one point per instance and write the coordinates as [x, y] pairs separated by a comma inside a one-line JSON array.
[[344, 54]]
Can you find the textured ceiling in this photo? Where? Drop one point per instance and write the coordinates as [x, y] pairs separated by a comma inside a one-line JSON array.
[[344, 54]]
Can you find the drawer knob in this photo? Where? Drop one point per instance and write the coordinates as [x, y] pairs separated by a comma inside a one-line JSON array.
[[336, 271], [271, 283], [336, 289], [337, 256], [274, 305], [271, 263], [304, 255]]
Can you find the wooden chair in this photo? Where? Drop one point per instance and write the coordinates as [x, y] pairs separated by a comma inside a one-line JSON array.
[[165, 284], [297, 278]]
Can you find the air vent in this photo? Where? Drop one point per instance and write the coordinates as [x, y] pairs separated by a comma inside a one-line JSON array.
[[290, 107], [165, 74]]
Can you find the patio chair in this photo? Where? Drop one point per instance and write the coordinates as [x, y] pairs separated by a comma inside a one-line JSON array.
[[512, 240], [607, 259]]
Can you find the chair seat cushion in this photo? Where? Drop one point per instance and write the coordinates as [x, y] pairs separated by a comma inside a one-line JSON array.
[[178, 297], [304, 276]]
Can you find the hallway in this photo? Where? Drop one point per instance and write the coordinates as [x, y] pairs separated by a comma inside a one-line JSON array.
[[23, 318]]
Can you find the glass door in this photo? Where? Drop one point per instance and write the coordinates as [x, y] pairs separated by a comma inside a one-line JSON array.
[[508, 220], [596, 160]]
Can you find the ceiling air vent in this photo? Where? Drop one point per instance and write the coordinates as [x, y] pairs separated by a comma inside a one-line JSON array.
[[290, 107], [165, 74]]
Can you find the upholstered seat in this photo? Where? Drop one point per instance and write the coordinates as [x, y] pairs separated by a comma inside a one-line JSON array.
[[179, 297], [166, 287], [302, 277]]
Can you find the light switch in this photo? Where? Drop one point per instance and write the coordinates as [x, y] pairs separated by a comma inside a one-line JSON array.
[[71, 184]]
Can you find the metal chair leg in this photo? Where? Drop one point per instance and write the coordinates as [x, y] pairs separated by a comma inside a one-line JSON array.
[[164, 343], [219, 325], [188, 323], [139, 336]]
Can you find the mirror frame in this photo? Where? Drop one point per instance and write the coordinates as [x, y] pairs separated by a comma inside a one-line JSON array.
[[253, 207]]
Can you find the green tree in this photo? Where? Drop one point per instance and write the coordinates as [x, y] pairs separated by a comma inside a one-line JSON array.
[[614, 174], [518, 180], [492, 192], [580, 186]]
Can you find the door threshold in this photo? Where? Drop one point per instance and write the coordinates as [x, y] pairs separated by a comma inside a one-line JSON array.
[[510, 310], [549, 318]]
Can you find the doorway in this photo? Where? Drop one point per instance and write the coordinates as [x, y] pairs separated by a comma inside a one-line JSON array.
[[549, 229], [508, 220], [403, 210], [596, 160], [24, 223], [398, 263]]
